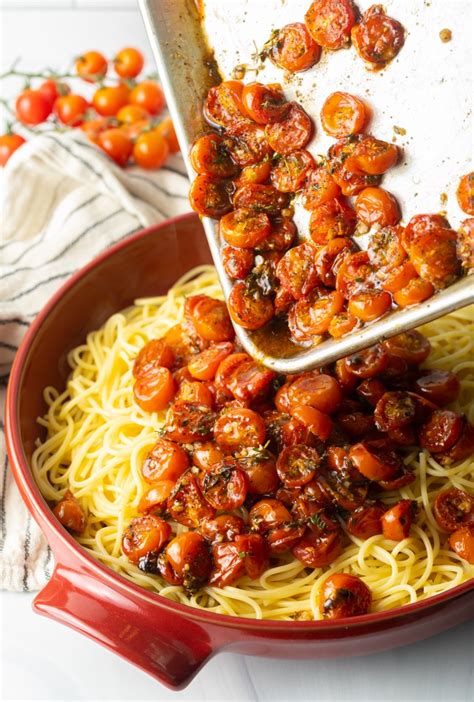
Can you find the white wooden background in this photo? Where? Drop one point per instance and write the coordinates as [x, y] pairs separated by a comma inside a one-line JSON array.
[[40, 660]]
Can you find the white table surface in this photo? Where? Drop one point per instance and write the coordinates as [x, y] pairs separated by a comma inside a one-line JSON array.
[[42, 660]]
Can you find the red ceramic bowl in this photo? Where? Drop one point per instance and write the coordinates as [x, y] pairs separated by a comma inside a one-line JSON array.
[[170, 641]]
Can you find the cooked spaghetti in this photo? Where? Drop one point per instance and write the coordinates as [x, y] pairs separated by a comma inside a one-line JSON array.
[[97, 439]]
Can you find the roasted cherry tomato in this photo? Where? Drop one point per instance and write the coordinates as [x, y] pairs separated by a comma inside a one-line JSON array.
[[237, 262], [312, 315], [225, 485], [239, 427], [342, 324], [330, 256], [272, 519], [377, 37], [190, 559], [155, 499], [228, 564], [290, 171], [223, 528], [297, 465], [258, 172], [292, 133], [343, 114], [465, 244], [186, 504], [438, 386], [453, 509], [209, 156], [154, 390], [260, 466], [332, 219], [465, 193], [223, 105], [91, 66], [196, 392], [209, 318], [9, 143], [248, 307], [244, 229], [206, 454], [204, 366], [248, 146], [441, 431], [330, 22], [411, 346], [372, 156], [318, 390], [144, 534], [69, 512], [434, 257], [265, 104], [128, 63], [260, 198], [397, 278], [319, 423], [377, 206], [385, 248], [367, 363], [32, 107], [344, 595], [462, 542], [397, 521], [354, 274], [297, 270], [187, 422], [227, 368], [318, 550], [463, 447], [365, 521], [209, 196], [375, 460], [318, 188], [250, 381], [369, 305], [420, 225], [165, 461], [293, 48], [398, 409]]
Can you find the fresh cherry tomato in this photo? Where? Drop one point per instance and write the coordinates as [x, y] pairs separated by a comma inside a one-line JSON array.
[[330, 22], [377, 37], [209, 156], [244, 229], [69, 512], [144, 534], [343, 114], [128, 63], [369, 305], [411, 346], [210, 318], [116, 144], [377, 206], [417, 290], [9, 143], [223, 105], [237, 262], [367, 363], [248, 307], [71, 109], [154, 353], [441, 431], [166, 129], [190, 560], [297, 465], [365, 521], [91, 66], [149, 95], [297, 270], [225, 485], [312, 315], [165, 461], [319, 423], [372, 156], [453, 509], [52, 89], [109, 100], [318, 550], [374, 459], [292, 133], [131, 114], [465, 193], [462, 542], [93, 128], [319, 188], [209, 197], [294, 49], [344, 595], [239, 427], [187, 422], [150, 150], [397, 521], [290, 171], [265, 104], [438, 386], [32, 107], [186, 504]]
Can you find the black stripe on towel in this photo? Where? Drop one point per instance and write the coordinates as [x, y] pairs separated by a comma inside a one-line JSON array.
[[38, 285]]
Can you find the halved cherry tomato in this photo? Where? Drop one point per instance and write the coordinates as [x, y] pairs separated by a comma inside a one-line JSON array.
[[318, 550], [248, 307], [372, 156], [438, 386], [237, 262], [154, 390], [195, 392], [411, 346], [465, 193], [317, 390], [209, 197], [210, 318], [292, 133], [312, 315], [332, 219], [297, 270], [186, 503], [290, 171], [463, 447], [223, 528], [187, 422], [70, 513], [128, 63], [165, 461], [367, 363], [255, 173], [204, 366], [297, 465], [154, 353], [260, 198], [228, 564], [243, 228], [9, 143], [329, 258], [281, 237], [453, 509], [155, 499], [223, 105], [397, 521], [190, 559], [369, 305], [91, 66], [293, 48], [260, 466], [398, 409], [224, 485], [247, 144], [144, 534], [330, 22], [441, 431], [254, 551], [209, 156], [462, 542], [317, 422], [239, 427], [365, 521], [374, 459], [346, 379], [433, 254], [149, 95], [344, 595], [354, 274], [416, 291], [343, 114], [377, 206], [385, 248], [206, 454], [227, 368], [71, 109], [265, 104], [342, 324], [33, 107], [318, 188], [377, 37], [107, 101], [465, 244], [250, 381], [271, 518], [398, 277]]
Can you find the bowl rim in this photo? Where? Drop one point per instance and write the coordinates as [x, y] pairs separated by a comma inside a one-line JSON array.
[[37, 504]]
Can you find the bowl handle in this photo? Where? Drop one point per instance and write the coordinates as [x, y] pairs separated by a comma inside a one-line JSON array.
[[161, 642]]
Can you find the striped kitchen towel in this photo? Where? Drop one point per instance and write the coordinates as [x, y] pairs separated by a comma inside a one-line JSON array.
[[63, 202]]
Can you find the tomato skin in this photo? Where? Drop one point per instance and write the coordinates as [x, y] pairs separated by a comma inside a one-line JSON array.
[[144, 534], [453, 508], [369, 305], [411, 346], [318, 550], [223, 105], [149, 95], [292, 133], [190, 559], [465, 193], [377, 37], [318, 188], [397, 521], [264, 104], [329, 22], [69, 512], [297, 272], [153, 391], [228, 564], [156, 497], [462, 542], [116, 144], [248, 308], [91, 66], [290, 171], [223, 528], [225, 485], [32, 107], [441, 431], [294, 49], [438, 386], [365, 521], [128, 63], [186, 504], [210, 318], [204, 366], [109, 100], [150, 150], [374, 459], [297, 465], [343, 114], [209, 156], [334, 218], [9, 143], [377, 206], [239, 427], [244, 229], [165, 461], [188, 422], [344, 595]]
